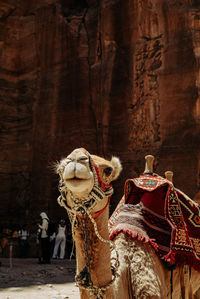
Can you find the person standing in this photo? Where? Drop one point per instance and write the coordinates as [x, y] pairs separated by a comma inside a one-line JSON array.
[[38, 244], [44, 239], [23, 241], [60, 241]]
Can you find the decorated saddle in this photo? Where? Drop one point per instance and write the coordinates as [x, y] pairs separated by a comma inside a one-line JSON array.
[[153, 211]]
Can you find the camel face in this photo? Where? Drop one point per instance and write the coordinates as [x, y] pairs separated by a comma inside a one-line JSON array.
[[76, 172]]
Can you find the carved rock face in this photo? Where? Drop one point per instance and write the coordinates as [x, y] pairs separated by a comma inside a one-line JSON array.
[[114, 76]]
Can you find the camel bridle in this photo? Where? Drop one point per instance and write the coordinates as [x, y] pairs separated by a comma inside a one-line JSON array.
[[98, 192], [82, 210]]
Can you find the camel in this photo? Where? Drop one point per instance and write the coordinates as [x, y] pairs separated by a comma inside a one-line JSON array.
[[124, 268]]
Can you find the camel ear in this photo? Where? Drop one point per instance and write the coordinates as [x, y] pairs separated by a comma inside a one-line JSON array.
[[109, 170], [117, 167]]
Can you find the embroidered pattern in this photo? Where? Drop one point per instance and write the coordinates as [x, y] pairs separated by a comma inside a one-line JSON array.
[[153, 211]]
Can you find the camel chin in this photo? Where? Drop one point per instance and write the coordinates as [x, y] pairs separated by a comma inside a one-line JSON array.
[[77, 185]]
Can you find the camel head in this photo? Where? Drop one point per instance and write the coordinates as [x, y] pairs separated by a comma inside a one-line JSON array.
[[83, 175]]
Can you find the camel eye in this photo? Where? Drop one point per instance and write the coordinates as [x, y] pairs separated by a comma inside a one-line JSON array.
[[83, 159], [107, 171], [68, 160]]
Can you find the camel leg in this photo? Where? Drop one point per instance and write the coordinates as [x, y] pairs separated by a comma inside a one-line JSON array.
[[122, 285], [146, 271], [194, 281], [146, 274]]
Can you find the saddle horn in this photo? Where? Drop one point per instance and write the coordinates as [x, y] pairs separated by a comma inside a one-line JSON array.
[[169, 175], [149, 164]]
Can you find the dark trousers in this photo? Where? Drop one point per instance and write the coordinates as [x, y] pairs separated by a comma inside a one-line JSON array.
[[45, 244], [24, 246]]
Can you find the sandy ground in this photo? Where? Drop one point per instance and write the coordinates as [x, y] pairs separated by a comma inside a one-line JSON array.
[[29, 280]]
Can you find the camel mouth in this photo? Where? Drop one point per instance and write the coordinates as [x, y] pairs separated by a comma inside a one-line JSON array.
[[79, 184], [76, 179]]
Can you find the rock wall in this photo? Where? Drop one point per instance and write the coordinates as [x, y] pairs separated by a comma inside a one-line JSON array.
[[116, 77]]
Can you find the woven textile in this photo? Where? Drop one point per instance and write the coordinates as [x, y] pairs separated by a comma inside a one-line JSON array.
[[153, 211]]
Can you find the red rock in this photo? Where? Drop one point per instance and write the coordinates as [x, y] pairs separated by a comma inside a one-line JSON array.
[[120, 78]]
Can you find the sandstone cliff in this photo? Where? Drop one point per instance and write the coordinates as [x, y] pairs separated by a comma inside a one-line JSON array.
[[116, 77]]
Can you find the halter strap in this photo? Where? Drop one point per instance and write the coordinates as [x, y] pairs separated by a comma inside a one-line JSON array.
[[96, 214], [103, 186]]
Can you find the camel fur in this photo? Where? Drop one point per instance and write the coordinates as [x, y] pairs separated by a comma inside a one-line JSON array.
[[141, 274]]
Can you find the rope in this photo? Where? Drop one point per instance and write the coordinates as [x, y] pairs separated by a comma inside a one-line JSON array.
[[190, 295], [73, 233], [171, 283], [182, 281]]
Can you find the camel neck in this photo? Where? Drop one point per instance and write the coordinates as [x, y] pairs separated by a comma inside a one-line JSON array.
[[98, 252]]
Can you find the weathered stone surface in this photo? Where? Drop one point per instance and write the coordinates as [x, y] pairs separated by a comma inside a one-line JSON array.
[[117, 77]]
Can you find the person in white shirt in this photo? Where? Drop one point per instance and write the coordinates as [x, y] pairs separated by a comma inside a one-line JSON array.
[[45, 242], [60, 241]]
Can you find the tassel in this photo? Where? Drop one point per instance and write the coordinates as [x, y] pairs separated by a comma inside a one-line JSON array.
[[171, 283], [190, 292], [182, 282]]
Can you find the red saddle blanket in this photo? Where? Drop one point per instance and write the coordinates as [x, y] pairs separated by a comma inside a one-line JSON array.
[[153, 211]]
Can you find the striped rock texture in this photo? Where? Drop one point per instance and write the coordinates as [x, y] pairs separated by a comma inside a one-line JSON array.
[[117, 77]]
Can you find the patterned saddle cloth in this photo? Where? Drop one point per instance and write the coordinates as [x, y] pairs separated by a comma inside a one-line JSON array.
[[153, 211]]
